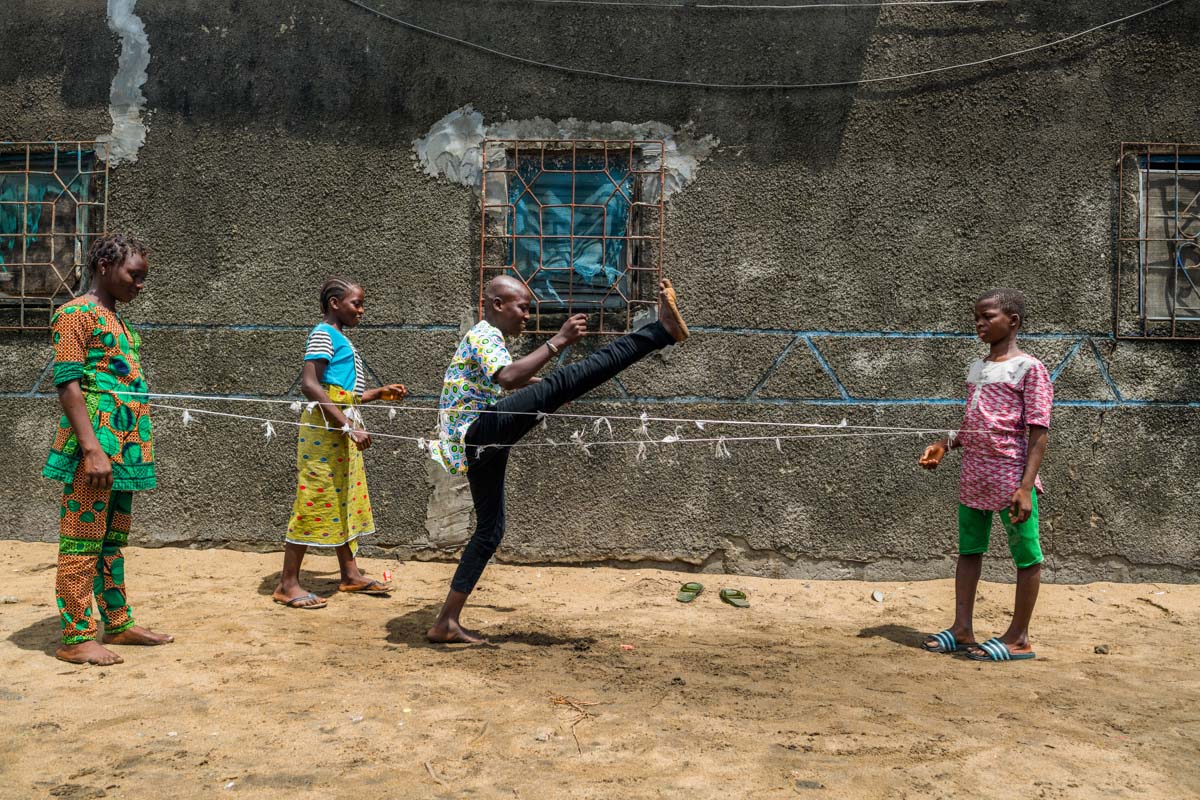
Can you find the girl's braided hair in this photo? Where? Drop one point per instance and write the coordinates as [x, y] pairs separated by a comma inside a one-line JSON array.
[[112, 250], [335, 287]]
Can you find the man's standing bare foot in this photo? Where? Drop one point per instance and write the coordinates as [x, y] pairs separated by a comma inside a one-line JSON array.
[[452, 633], [137, 635], [89, 652]]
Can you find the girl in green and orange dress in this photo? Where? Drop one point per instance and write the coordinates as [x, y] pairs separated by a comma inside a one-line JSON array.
[[333, 507], [103, 452]]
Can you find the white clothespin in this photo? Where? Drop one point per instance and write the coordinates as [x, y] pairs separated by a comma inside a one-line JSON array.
[[346, 429], [700, 424], [311, 405], [844, 423], [577, 438], [644, 428], [268, 430], [187, 418], [392, 413], [778, 444], [296, 406], [541, 416], [423, 445], [722, 450]]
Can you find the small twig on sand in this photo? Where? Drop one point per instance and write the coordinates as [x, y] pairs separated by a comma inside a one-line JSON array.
[[581, 708], [434, 775], [482, 733]]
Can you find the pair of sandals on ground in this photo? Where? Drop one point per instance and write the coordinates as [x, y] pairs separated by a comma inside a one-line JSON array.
[[992, 650], [734, 597]]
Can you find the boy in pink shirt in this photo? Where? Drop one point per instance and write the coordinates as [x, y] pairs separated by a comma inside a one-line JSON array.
[[1003, 438]]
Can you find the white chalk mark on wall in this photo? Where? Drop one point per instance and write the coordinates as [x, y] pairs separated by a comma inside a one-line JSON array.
[[453, 147], [125, 97]]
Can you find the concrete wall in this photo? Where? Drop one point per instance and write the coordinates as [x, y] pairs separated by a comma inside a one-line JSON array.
[[279, 151]]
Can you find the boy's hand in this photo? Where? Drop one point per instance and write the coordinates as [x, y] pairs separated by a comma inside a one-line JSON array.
[[393, 392], [98, 469], [361, 439], [571, 331], [933, 455], [1020, 507]]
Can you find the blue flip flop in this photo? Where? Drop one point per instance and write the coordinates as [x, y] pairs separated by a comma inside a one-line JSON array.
[[996, 650], [945, 643]]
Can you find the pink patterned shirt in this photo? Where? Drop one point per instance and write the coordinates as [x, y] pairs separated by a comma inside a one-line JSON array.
[[1004, 398]]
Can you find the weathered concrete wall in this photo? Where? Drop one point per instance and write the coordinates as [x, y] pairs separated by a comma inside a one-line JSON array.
[[279, 151]]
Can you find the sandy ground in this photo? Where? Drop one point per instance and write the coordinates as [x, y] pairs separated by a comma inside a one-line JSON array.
[[816, 691]]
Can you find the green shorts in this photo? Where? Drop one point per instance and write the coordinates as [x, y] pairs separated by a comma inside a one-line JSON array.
[[975, 528]]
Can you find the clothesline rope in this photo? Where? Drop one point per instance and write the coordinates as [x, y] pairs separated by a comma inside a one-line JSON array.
[[576, 441], [642, 419]]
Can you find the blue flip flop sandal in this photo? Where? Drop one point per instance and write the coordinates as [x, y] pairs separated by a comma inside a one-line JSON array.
[[945, 643], [996, 650]]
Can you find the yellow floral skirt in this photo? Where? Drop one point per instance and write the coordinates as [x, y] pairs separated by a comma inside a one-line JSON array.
[[332, 505]]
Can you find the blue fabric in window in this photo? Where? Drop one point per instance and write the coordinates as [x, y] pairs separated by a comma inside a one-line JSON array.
[[542, 208]]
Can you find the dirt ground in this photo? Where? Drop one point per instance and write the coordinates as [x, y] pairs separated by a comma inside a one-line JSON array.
[[817, 690]]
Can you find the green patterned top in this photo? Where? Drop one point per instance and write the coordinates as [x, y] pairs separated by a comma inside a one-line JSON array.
[[95, 347]]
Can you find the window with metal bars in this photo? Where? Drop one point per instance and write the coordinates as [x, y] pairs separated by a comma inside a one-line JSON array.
[[53, 203], [580, 222], [1160, 241]]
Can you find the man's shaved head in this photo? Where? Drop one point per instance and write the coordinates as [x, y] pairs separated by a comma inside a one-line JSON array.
[[502, 288], [506, 304]]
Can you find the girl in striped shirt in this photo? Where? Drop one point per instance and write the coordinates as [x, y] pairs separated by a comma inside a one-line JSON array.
[[333, 507]]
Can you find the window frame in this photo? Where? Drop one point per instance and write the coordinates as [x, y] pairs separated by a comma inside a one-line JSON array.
[[1136, 232], [89, 215], [643, 237]]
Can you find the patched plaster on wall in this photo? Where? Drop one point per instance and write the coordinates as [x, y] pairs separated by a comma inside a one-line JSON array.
[[453, 147], [126, 100]]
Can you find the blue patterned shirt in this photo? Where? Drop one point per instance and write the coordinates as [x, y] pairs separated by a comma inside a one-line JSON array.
[[468, 388]]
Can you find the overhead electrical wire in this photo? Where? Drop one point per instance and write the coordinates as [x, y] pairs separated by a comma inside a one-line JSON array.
[[747, 86]]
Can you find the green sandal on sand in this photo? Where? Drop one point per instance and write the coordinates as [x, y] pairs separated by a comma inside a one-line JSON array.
[[689, 591], [735, 597]]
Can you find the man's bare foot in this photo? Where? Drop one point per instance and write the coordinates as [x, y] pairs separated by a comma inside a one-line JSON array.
[[137, 635], [668, 313], [88, 653], [453, 633], [301, 600]]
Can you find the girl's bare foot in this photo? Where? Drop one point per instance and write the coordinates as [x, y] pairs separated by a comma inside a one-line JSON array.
[[87, 653], [137, 635], [668, 313], [453, 633]]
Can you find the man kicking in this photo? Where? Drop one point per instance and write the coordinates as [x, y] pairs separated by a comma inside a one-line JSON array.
[[480, 371]]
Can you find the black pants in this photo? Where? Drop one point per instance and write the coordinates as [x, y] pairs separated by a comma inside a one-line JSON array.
[[486, 467]]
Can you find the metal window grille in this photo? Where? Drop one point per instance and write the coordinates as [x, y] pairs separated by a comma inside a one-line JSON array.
[[1158, 248], [580, 222], [53, 203]]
